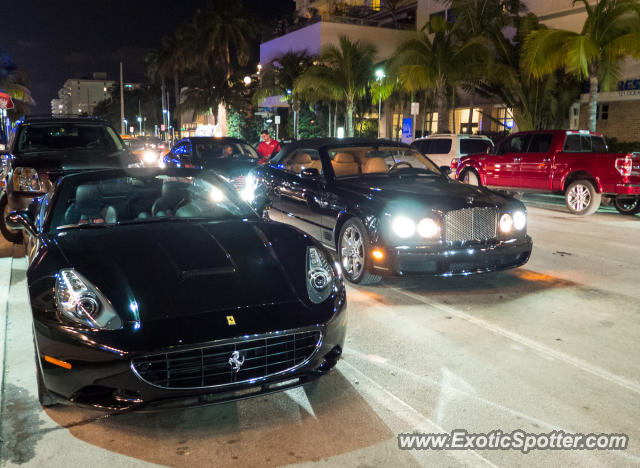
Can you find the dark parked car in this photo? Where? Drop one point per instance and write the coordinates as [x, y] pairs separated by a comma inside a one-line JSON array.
[[388, 210], [154, 285], [43, 148], [231, 157]]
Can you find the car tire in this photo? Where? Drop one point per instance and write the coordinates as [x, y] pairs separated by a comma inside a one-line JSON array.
[[470, 177], [11, 235], [582, 198], [627, 206], [353, 253]]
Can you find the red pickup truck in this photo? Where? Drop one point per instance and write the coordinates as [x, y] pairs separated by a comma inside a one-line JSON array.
[[576, 164]]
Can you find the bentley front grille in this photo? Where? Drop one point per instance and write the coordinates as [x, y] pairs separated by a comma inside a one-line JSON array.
[[230, 362], [470, 224]]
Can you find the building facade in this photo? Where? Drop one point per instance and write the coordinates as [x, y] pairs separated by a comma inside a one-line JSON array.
[[618, 110]]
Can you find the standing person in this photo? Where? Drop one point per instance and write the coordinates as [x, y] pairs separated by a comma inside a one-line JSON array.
[[267, 147]]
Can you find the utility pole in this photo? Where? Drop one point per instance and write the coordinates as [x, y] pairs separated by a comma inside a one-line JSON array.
[[123, 132]]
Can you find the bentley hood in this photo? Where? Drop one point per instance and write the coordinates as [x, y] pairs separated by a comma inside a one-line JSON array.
[[181, 268], [425, 191]]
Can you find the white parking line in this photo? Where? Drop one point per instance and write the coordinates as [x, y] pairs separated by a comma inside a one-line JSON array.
[[542, 349], [409, 414]]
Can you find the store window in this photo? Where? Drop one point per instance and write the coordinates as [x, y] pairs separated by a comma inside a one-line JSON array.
[[603, 112]]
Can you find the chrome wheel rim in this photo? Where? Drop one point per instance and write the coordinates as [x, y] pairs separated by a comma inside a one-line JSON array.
[[352, 252], [6, 213], [579, 197]]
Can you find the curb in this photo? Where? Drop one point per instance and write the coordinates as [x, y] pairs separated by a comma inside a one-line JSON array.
[[5, 283]]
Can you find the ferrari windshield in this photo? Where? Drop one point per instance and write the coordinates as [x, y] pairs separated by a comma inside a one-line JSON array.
[[356, 161], [93, 202], [38, 138], [216, 149]]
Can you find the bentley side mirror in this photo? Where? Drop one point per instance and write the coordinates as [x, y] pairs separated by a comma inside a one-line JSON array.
[[446, 170], [310, 173], [22, 220]]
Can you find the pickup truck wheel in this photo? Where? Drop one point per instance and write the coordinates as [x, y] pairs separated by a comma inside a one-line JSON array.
[[12, 235], [582, 198], [471, 178], [627, 206]]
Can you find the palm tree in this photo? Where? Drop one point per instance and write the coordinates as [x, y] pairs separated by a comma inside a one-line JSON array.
[[279, 78], [438, 59], [610, 33], [224, 33], [344, 70], [536, 103]]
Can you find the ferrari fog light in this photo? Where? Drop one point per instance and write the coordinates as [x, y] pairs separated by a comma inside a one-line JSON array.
[[428, 228], [320, 276], [81, 302], [403, 227], [519, 220], [377, 254], [506, 223]]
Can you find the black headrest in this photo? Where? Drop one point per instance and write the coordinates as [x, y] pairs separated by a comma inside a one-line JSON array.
[[88, 195]]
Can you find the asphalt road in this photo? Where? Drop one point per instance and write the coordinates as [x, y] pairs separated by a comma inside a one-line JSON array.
[[550, 346]]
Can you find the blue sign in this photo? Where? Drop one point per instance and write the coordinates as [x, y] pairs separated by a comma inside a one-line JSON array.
[[629, 85], [407, 130]]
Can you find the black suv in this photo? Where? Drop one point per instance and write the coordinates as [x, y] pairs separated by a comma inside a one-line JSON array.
[[41, 149]]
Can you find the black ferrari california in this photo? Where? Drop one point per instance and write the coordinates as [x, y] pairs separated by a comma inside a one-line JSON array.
[[388, 210], [154, 285]]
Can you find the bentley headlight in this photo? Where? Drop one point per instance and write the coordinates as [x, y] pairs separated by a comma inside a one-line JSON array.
[[150, 157], [403, 227], [428, 228], [320, 276], [519, 220], [25, 179], [506, 223], [81, 302], [248, 193]]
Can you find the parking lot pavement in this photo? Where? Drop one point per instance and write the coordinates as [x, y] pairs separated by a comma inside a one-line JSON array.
[[547, 347]]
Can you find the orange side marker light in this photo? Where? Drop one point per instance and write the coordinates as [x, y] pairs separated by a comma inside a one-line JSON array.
[[57, 362]]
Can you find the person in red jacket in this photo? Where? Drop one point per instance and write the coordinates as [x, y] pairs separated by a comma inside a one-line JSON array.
[[267, 147]]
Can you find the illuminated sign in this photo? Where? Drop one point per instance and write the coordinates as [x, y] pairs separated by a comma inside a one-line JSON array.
[[629, 87]]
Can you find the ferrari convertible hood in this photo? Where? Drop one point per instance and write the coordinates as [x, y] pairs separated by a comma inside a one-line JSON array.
[[180, 268]]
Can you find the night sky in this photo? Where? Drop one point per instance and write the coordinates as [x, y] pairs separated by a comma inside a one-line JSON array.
[[53, 40]]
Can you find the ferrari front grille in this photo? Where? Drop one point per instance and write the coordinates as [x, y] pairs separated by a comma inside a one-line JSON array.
[[470, 224], [229, 362]]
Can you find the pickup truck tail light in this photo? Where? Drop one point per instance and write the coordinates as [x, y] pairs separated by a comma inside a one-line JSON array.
[[624, 166], [454, 164]]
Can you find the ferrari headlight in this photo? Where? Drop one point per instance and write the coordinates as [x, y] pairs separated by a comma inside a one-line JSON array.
[[320, 276], [403, 227], [428, 228], [519, 220], [81, 302], [25, 179], [506, 223]]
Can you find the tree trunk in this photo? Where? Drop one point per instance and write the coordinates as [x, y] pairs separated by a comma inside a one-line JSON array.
[[349, 123], [593, 99], [296, 118], [443, 112], [335, 120], [329, 120], [176, 91], [453, 111], [163, 87], [470, 120]]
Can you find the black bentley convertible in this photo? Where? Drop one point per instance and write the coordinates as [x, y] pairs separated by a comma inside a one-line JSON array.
[[153, 285], [388, 210]]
